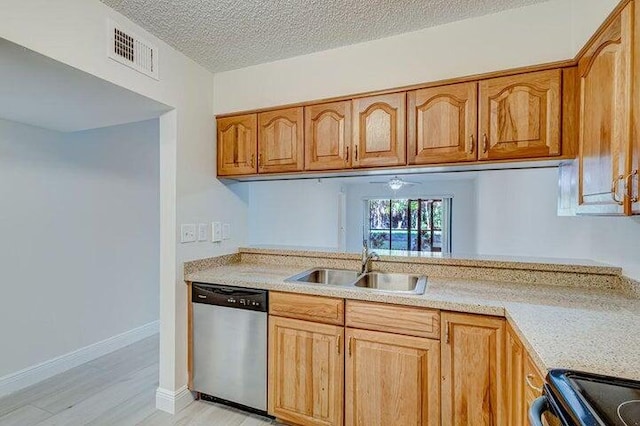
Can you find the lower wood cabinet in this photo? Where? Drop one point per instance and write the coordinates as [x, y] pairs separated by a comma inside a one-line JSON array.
[[391, 379], [306, 371], [524, 381], [533, 382], [514, 364], [473, 391], [478, 373]]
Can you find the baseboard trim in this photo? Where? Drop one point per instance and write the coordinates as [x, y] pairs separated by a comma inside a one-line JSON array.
[[37, 373], [173, 402]]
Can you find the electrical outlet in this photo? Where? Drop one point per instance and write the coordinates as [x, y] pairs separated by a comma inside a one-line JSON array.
[[226, 231], [187, 233], [216, 234], [203, 232]]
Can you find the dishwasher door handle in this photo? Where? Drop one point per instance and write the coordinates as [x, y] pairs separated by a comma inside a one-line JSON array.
[[537, 409]]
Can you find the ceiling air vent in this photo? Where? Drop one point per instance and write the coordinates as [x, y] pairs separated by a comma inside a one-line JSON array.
[[129, 49]]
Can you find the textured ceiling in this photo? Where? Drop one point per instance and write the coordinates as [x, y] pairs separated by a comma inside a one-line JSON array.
[[228, 34]]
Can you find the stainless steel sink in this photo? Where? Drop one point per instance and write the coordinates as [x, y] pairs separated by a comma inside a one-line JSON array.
[[326, 276], [380, 281], [393, 283]]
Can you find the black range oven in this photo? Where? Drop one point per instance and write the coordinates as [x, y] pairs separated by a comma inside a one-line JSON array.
[[573, 398]]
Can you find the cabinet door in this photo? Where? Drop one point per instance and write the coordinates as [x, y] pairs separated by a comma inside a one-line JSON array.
[[633, 178], [379, 137], [391, 379], [306, 372], [280, 141], [533, 383], [443, 123], [520, 116], [327, 136], [237, 145], [514, 386], [472, 370], [605, 111]]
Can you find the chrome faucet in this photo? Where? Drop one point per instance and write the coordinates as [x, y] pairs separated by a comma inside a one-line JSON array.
[[367, 257]]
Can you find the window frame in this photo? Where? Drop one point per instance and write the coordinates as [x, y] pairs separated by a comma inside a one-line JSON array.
[[446, 231]]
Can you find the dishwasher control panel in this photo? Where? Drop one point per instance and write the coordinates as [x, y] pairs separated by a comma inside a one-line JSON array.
[[232, 297]]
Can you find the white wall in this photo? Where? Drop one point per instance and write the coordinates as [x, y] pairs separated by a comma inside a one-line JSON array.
[[463, 238], [74, 32], [294, 213], [307, 214], [586, 17], [517, 216], [80, 233], [525, 36]]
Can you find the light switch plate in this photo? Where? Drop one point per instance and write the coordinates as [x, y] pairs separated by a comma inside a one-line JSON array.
[[226, 231], [203, 232], [216, 234], [187, 233]]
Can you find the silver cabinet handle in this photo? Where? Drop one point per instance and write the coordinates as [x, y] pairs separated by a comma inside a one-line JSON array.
[[629, 186], [529, 381], [614, 189], [537, 409]]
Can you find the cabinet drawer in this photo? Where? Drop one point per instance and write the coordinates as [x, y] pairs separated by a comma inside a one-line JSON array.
[[407, 320], [301, 306]]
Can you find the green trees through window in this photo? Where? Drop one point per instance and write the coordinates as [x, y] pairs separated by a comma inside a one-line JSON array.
[[406, 224]]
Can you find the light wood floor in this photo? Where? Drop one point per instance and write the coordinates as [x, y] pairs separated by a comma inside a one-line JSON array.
[[117, 389]]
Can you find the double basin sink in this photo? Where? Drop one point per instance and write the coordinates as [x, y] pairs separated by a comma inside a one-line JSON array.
[[380, 281]]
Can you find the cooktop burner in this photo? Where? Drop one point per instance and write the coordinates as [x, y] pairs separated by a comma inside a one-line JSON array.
[[591, 399], [615, 405], [629, 412]]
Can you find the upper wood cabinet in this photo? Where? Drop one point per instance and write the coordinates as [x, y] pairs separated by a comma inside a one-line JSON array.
[[520, 116], [327, 136], [281, 141], [607, 90], [442, 124], [237, 145], [391, 379], [379, 137], [306, 372], [473, 370]]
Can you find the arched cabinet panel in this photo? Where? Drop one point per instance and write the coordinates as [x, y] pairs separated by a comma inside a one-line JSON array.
[[605, 118], [379, 137], [443, 124], [328, 136], [280, 141], [520, 116], [237, 145]]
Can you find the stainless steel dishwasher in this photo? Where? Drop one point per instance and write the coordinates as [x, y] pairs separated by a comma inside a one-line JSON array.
[[230, 345]]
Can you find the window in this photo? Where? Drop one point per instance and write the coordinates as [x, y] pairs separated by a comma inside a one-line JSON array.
[[408, 224]]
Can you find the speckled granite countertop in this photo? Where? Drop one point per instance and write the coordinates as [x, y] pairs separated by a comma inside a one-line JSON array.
[[595, 330]]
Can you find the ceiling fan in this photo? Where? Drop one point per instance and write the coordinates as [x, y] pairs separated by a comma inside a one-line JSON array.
[[395, 183]]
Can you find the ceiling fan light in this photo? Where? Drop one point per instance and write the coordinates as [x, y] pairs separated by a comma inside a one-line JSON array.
[[395, 184]]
